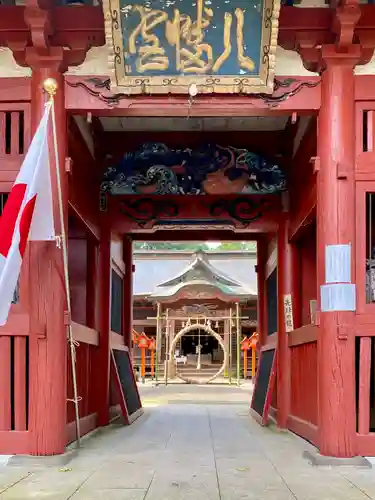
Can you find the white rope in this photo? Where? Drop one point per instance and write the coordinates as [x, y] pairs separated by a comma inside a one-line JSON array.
[[61, 243]]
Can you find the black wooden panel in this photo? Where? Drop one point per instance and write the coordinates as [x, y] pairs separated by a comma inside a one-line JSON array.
[[116, 303], [271, 287], [128, 384], [3, 199], [262, 381]]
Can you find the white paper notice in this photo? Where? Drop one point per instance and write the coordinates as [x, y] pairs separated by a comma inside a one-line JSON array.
[[338, 263], [338, 297]]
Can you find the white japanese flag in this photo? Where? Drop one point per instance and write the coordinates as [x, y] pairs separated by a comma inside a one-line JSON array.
[[27, 214]]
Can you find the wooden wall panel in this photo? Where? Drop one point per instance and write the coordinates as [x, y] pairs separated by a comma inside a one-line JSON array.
[[5, 384], [78, 278], [84, 368], [14, 140], [20, 383], [307, 249], [304, 384]]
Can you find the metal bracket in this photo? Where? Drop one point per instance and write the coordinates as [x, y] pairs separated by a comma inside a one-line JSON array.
[[343, 332], [103, 202], [341, 171], [68, 165], [317, 318], [67, 318], [316, 161]]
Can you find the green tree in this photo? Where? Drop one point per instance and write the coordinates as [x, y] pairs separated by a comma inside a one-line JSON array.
[[194, 246]]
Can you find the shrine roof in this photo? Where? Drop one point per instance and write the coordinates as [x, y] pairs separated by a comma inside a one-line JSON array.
[[167, 274]]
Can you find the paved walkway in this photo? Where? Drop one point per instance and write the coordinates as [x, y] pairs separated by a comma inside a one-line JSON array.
[[193, 443]]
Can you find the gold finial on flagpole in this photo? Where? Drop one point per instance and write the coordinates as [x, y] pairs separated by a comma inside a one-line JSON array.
[[50, 86]]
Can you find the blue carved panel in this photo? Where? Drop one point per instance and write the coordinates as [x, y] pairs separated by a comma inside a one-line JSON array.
[[166, 46], [171, 37], [155, 169]]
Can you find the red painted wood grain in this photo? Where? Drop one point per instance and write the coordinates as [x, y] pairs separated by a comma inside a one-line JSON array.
[[303, 382], [5, 384], [364, 385], [20, 381]]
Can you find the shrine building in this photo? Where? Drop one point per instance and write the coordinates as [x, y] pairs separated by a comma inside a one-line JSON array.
[[202, 289], [252, 120]]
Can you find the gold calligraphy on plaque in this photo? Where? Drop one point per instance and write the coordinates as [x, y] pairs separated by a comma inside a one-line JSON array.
[[219, 46], [187, 36]]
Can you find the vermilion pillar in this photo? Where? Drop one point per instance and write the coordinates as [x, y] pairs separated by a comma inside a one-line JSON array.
[[128, 291], [103, 353], [47, 302], [335, 225], [92, 280], [261, 305], [286, 268]]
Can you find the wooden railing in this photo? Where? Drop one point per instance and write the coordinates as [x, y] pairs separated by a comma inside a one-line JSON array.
[[14, 391], [14, 387]]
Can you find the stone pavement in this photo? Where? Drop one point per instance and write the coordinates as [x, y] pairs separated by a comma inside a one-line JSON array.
[[193, 443]]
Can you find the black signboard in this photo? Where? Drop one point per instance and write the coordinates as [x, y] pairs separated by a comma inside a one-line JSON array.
[[123, 375], [117, 301], [271, 286], [264, 383]]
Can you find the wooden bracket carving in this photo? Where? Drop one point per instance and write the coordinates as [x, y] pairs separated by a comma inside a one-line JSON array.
[[345, 22], [44, 43], [38, 20]]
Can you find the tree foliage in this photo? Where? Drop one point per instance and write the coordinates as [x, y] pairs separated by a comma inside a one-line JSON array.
[[191, 246]]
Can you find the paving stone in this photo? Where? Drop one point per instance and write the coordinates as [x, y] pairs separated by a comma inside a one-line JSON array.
[[9, 477], [194, 451], [111, 494], [49, 485], [121, 475]]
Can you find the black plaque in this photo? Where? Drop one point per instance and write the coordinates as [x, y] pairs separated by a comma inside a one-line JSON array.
[[126, 384], [271, 286], [117, 302], [264, 384]]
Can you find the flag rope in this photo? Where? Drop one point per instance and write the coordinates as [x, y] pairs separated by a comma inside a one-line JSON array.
[[61, 243]]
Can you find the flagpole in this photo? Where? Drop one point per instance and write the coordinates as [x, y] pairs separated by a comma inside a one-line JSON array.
[[50, 86]]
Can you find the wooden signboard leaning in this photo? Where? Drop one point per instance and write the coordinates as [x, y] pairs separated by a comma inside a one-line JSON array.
[[264, 385], [125, 383]]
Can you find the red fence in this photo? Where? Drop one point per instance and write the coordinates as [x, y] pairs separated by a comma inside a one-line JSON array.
[[303, 382], [14, 383], [365, 393], [303, 417]]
